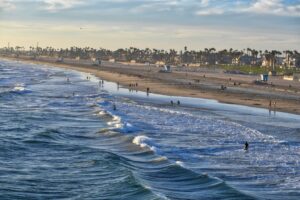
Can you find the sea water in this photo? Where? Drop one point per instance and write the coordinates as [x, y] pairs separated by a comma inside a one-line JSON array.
[[61, 138]]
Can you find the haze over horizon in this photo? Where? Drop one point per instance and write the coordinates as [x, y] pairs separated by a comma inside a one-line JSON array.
[[164, 24]]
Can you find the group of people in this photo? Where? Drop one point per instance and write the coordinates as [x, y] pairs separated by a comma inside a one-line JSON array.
[[270, 107], [101, 83], [133, 84], [172, 102]]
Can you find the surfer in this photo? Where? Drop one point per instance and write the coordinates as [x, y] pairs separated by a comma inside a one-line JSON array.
[[178, 102], [114, 107], [246, 146], [172, 103]]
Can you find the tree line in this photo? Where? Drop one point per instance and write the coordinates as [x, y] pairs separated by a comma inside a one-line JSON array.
[[208, 56]]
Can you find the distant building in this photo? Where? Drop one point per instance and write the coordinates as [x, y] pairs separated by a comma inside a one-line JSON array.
[[266, 61], [96, 61], [280, 61], [295, 61], [60, 59], [160, 63], [225, 59], [292, 61], [235, 61], [245, 60], [112, 60]]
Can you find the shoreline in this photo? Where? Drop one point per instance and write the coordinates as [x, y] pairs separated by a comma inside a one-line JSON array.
[[183, 84]]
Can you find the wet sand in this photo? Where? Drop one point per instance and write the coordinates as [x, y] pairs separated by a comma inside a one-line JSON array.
[[203, 84]]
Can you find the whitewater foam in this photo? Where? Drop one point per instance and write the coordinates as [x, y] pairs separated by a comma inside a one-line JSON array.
[[19, 88], [180, 163], [142, 140], [115, 122]]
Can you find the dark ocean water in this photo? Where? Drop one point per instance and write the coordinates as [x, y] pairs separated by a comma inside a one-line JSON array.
[[60, 138]]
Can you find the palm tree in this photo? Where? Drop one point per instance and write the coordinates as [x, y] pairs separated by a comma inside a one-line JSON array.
[[254, 54], [248, 50], [274, 54]]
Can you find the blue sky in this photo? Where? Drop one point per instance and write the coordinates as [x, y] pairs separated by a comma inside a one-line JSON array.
[[165, 24]]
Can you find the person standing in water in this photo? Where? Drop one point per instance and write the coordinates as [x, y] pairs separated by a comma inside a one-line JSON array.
[[246, 146]]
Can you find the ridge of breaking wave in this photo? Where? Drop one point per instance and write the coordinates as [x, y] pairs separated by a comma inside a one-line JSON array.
[[163, 176]]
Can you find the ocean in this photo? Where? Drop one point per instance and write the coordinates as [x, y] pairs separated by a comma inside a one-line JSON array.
[[61, 138]]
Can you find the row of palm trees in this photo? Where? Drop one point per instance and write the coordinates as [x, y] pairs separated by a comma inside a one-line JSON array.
[[208, 56]]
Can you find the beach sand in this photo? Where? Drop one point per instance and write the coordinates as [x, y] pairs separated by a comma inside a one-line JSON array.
[[240, 89]]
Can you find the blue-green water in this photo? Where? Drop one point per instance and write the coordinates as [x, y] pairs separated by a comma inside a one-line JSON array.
[[60, 138]]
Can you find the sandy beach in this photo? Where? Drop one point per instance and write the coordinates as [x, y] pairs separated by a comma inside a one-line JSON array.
[[193, 82]]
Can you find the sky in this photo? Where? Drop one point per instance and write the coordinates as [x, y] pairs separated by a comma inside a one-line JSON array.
[[161, 24]]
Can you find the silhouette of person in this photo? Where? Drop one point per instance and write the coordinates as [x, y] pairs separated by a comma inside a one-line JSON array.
[[246, 146]]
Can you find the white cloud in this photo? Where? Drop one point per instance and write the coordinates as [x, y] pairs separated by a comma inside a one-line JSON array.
[[204, 2], [210, 11], [150, 6], [55, 5], [6, 5], [265, 7], [273, 7], [209, 7]]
